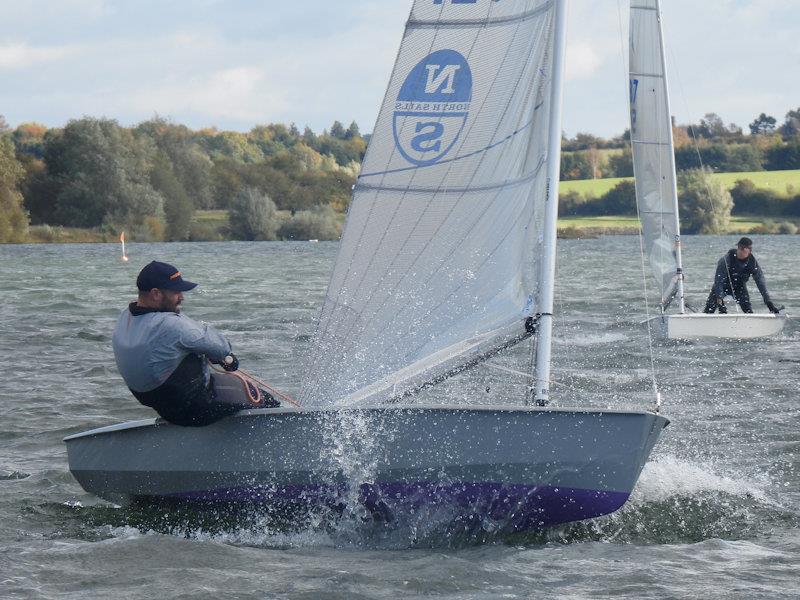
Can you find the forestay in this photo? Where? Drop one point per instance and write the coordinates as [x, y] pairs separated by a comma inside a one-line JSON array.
[[651, 139], [437, 262]]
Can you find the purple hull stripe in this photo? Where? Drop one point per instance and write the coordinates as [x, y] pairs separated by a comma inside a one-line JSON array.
[[520, 506]]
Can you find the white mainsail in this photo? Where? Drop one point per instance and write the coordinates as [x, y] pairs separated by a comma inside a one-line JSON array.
[[653, 154], [439, 260]]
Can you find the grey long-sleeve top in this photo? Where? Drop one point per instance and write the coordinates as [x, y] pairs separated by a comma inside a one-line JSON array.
[[149, 345], [731, 270]]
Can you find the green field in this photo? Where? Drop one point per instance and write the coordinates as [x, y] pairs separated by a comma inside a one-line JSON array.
[[615, 222], [616, 225], [781, 182]]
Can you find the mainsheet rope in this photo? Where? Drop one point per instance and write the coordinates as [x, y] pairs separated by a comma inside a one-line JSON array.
[[251, 382]]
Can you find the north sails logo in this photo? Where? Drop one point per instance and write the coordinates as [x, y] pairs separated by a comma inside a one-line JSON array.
[[634, 88], [432, 107]]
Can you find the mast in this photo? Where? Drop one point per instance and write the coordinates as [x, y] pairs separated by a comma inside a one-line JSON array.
[[548, 270], [678, 259]]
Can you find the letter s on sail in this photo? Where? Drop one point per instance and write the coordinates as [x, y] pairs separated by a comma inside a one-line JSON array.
[[433, 131]]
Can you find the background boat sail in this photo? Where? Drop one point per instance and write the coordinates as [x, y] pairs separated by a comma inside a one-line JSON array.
[[447, 257], [657, 191]]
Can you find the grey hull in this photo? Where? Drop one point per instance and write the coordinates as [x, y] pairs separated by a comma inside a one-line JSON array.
[[530, 466]]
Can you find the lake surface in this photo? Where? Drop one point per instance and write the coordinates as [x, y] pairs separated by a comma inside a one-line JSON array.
[[716, 512]]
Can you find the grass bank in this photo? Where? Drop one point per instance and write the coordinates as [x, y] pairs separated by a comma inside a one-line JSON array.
[[581, 227], [784, 183]]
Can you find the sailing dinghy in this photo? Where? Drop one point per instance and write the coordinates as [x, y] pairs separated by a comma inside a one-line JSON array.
[[447, 258], [657, 191]]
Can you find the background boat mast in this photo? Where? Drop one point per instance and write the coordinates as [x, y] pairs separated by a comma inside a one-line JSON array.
[[678, 259]]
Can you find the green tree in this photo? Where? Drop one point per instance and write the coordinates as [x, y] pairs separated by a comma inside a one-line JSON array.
[[621, 165], [338, 131], [576, 165], [100, 174], [178, 208], [621, 199], [253, 216], [226, 178], [705, 204], [231, 144], [711, 126], [29, 139], [791, 126], [785, 156], [189, 162], [13, 218], [763, 125], [352, 131]]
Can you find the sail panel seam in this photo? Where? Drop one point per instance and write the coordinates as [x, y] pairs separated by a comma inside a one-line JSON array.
[[452, 190], [644, 143], [479, 23]]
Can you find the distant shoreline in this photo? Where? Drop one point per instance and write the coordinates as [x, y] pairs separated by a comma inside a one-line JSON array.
[[568, 228]]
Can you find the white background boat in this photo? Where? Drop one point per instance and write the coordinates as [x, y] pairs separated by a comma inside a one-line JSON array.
[[657, 192]]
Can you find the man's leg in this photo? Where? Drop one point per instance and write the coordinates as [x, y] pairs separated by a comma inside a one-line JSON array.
[[743, 298], [711, 303], [230, 389]]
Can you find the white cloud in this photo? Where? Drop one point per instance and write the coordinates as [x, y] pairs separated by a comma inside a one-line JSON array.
[[234, 93], [21, 56], [583, 60]]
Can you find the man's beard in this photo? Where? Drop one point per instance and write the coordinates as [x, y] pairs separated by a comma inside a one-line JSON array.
[[168, 306]]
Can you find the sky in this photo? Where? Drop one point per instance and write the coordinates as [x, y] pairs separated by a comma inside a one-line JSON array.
[[235, 64]]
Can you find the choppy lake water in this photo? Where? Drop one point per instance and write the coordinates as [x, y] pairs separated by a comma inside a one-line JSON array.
[[716, 512]]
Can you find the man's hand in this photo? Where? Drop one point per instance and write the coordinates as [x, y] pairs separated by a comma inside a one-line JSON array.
[[720, 301], [230, 363], [772, 308]]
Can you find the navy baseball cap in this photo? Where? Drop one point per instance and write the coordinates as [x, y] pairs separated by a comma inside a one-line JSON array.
[[162, 276], [745, 242]]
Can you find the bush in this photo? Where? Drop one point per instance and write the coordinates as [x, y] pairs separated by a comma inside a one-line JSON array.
[[570, 203], [725, 158], [620, 200], [786, 227], [783, 157], [204, 232], [317, 224], [253, 216], [621, 165], [705, 204], [750, 200]]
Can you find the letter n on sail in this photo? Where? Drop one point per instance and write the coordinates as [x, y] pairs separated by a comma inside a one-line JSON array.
[[432, 107]]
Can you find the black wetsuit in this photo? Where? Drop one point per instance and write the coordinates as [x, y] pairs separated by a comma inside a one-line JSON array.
[[185, 398], [731, 279]]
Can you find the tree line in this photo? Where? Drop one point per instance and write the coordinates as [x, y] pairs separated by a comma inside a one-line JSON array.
[[710, 143], [277, 182], [149, 179]]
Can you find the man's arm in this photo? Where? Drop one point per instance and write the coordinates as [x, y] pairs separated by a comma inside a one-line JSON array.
[[202, 338], [719, 277], [758, 277], [761, 284]]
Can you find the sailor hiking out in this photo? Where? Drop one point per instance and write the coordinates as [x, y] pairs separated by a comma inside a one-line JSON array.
[[163, 355], [733, 272]]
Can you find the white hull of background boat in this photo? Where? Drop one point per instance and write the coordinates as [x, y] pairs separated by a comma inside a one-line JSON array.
[[731, 326]]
